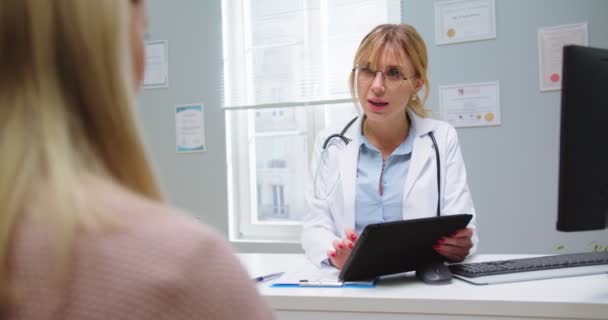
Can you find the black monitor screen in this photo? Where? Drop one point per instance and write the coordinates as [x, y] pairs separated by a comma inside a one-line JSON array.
[[583, 165]]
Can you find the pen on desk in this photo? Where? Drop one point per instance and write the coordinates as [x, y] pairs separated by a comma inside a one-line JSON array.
[[268, 277]]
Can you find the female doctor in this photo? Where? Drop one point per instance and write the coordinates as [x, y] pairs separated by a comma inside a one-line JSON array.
[[384, 165]]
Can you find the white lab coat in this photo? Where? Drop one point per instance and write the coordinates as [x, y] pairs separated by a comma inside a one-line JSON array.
[[331, 207]]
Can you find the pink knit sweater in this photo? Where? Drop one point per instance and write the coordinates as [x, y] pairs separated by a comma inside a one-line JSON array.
[[161, 265]]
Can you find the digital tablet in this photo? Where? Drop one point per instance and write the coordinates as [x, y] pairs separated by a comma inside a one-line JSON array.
[[399, 246]]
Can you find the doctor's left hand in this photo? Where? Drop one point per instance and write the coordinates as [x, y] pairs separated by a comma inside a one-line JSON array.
[[342, 249], [455, 247]]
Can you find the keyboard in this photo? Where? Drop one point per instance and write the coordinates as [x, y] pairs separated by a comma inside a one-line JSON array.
[[554, 266]]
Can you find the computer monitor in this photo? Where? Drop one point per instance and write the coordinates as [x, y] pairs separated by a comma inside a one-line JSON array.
[[583, 156]]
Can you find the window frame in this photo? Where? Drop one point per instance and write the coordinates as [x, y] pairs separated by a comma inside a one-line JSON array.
[[244, 225]]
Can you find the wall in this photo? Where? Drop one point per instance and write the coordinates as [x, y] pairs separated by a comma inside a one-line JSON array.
[[512, 168], [197, 181]]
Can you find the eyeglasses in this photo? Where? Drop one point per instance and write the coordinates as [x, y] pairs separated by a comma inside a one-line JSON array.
[[392, 77]]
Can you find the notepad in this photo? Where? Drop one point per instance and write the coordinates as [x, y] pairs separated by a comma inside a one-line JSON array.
[[311, 276]]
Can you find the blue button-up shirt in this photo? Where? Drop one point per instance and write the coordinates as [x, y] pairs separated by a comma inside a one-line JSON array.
[[370, 205]]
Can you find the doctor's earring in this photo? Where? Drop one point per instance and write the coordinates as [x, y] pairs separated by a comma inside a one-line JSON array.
[[413, 98]]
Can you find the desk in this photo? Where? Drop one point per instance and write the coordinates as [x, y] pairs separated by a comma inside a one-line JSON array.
[[406, 297]]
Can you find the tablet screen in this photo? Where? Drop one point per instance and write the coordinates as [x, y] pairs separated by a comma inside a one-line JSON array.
[[399, 246]]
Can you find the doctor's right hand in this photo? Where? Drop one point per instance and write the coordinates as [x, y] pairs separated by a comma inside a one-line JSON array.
[[342, 249]]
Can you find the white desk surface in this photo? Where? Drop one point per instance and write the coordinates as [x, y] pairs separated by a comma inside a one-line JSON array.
[[583, 297]]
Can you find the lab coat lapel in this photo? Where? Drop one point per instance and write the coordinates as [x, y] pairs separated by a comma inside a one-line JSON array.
[[421, 152], [420, 156], [348, 173]]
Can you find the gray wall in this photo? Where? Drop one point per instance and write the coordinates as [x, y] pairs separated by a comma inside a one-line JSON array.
[[512, 168], [197, 181]]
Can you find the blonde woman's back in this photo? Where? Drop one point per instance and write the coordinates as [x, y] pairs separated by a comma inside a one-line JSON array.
[[83, 233], [159, 264]]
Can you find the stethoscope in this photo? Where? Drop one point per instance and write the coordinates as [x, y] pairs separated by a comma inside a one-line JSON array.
[[329, 141]]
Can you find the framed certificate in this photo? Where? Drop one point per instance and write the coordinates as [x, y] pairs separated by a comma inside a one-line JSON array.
[[471, 104], [551, 42], [156, 74], [190, 128], [464, 20]]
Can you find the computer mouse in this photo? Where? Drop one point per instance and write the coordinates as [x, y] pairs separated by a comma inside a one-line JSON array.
[[434, 273]]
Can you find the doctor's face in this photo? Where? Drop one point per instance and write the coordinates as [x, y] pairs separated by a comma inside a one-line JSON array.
[[382, 90]]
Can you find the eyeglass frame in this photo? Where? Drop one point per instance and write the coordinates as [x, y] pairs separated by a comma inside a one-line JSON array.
[[358, 68]]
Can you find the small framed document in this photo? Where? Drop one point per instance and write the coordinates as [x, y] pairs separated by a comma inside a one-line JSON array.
[[156, 74], [471, 104], [464, 20], [551, 42], [190, 128]]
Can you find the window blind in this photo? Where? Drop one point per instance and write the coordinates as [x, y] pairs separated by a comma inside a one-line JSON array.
[[286, 53]]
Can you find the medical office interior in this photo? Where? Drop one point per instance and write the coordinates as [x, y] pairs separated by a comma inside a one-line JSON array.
[[512, 167], [248, 183]]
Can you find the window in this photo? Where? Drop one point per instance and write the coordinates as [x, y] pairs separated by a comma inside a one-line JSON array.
[[286, 69]]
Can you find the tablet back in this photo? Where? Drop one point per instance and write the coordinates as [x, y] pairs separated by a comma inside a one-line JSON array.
[[399, 246]]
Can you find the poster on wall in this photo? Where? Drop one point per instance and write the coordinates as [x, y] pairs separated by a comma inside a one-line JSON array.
[[464, 20], [156, 73], [190, 128], [551, 42], [471, 104]]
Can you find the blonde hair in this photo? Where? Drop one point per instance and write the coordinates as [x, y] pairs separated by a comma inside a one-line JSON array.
[[66, 100], [407, 44]]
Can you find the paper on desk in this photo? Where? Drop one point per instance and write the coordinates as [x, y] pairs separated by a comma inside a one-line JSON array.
[[311, 276]]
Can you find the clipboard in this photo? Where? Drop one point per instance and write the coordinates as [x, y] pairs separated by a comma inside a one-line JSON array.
[[326, 284], [310, 276], [399, 246]]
